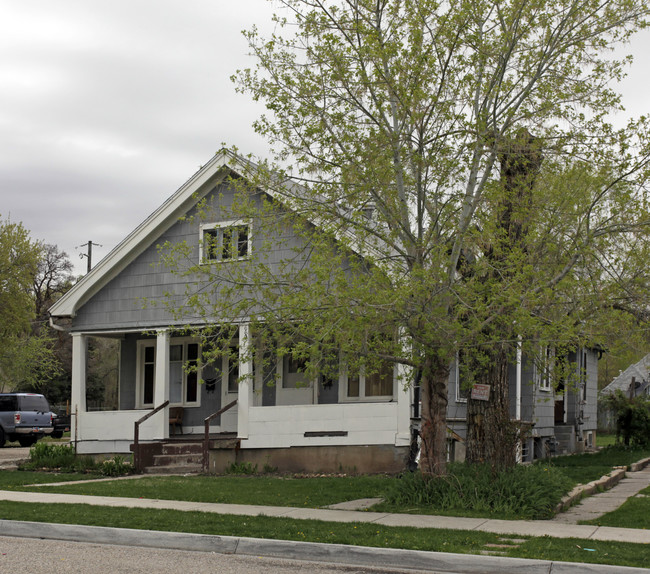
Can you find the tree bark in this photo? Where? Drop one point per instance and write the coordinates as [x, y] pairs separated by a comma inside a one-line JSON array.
[[433, 428], [491, 435]]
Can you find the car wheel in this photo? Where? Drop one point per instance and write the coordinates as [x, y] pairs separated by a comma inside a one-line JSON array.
[[2, 438], [26, 440], [57, 434]]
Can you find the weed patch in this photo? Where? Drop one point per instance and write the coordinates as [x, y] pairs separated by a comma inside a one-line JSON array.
[[521, 492], [62, 458]]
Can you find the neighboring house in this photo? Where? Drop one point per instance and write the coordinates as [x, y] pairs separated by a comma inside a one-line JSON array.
[[555, 418], [344, 423], [632, 382]]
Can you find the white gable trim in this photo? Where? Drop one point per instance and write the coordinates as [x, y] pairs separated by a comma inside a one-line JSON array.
[[215, 171]]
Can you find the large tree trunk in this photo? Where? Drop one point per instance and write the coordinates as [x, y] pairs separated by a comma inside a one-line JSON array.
[[491, 435], [433, 428]]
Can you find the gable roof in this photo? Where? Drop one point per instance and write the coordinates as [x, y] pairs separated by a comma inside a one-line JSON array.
[[640, 372], [223, 164]]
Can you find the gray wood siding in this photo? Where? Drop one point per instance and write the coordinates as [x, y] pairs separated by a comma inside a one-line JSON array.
[[136, 297]]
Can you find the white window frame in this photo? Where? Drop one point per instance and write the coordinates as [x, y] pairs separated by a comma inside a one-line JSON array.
[[185, 341], [142, 345], [362, 398], [220, 226], [543, 369], [459, 397]]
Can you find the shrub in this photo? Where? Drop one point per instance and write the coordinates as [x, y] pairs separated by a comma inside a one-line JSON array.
[[61, 457], [51, 456], [525, 491], [632, 418]]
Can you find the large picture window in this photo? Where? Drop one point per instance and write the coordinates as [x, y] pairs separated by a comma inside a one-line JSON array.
[[225, 241]]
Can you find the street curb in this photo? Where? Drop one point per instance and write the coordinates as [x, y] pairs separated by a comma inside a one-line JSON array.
[[308, 551], [605, 483]]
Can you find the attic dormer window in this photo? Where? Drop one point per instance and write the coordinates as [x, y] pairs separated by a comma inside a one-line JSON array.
[[225, 241]]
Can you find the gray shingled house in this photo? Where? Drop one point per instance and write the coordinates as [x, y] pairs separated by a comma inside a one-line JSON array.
[[363, 424], [632, 382]]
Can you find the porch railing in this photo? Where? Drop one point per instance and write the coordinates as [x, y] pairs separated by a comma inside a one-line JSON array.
[[206, 435], [137, 455]]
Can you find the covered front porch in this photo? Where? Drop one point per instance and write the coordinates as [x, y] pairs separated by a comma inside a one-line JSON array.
[[326, 423], [151, 369]]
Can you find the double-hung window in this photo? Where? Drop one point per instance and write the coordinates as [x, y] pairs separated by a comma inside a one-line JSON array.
[[225, 241], [544, 369]]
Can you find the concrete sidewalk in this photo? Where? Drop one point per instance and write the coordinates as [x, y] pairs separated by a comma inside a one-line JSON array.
[[601, 503], [512, 527]]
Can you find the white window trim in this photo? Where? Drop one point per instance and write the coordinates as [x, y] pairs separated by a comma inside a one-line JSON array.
[[225, 375], [140, 355], [139, 382], [185, 341], [362, 398], [224, 225], [543, 380], [459, 398]]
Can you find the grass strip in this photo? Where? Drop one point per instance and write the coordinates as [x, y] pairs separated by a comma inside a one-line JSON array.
[[13, 479], [258, 490], [360, 534], [633, 513]]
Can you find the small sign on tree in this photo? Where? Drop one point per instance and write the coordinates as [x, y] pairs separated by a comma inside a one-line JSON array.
[[480, 392]]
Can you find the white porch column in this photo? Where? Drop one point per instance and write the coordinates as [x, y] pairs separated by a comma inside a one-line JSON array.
[[79, 352], [161, 383], [403, 391], [245, 392]]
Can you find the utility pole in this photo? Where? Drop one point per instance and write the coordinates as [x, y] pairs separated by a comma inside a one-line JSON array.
[[89, 253]]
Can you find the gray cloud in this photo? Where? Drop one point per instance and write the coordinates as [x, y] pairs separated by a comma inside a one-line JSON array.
[[107, 107]]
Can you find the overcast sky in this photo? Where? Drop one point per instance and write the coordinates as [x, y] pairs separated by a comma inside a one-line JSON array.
[[108, 106]]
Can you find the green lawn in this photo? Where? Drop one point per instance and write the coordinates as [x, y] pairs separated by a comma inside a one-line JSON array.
[[634, 513], [317, 492], [361, 534], [584, 468], [262, 490], [14, 479]]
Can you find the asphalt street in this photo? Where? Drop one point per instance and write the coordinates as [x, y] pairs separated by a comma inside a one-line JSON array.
[[32, 556]]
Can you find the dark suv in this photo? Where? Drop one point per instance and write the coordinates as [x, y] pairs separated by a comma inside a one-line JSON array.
[[24, 417]]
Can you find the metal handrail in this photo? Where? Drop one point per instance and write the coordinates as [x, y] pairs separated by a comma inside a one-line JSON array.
[[137, 459], [206, 435]]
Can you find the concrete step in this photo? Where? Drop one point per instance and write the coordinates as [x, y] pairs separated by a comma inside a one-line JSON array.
[[177, 459], [181, 448]]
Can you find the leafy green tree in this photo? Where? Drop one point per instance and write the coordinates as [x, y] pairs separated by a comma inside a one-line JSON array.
[[394, 118], [26, 356], [632, 415]]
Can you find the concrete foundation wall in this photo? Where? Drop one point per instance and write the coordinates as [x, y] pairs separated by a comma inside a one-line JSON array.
[[347, 459]]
